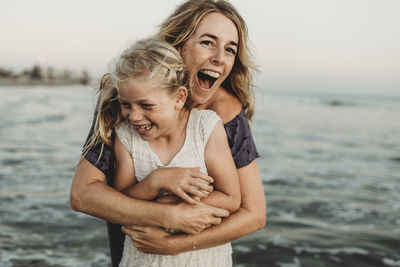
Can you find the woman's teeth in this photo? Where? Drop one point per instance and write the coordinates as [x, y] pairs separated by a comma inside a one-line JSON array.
[[210, 73]]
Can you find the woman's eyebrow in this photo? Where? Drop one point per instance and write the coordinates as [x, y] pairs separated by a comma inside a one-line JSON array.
[[216, 38]]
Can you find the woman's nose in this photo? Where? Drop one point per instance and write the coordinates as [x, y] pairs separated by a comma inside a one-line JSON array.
[[219, 56]]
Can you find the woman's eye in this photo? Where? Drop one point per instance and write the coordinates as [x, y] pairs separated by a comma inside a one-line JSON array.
[[231, 51], [206, 42]]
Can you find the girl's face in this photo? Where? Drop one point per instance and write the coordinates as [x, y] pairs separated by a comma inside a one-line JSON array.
[[149, 108], [209, 55]]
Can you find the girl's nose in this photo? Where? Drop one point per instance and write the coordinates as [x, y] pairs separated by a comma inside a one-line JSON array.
[[134, 115]]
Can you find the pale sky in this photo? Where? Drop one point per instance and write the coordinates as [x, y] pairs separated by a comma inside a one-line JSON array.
[[317, 44]]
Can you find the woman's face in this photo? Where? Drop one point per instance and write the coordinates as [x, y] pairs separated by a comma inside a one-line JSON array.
[[209, 55]]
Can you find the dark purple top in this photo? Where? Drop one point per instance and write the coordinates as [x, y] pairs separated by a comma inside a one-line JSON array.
[[243, 150]]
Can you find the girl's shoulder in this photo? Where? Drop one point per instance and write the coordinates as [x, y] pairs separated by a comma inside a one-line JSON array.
[[202, 112], [202, 123], [204, 117], [123, 129]]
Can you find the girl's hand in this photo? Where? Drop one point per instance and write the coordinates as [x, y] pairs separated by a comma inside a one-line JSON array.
[[187, 183]]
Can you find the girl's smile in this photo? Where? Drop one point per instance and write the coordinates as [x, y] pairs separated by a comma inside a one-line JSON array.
[[143, 129], [152, 110]]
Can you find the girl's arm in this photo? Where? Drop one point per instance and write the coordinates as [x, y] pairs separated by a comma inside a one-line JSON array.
[[91, 195], [124, 168], [221, 167], [179, 181], [125, 180], [250, 217]]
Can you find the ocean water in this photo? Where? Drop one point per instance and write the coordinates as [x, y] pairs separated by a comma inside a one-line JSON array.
[[330, 164]]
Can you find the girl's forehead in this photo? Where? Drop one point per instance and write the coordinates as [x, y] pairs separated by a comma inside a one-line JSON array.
[[139, 87], [140, 80]]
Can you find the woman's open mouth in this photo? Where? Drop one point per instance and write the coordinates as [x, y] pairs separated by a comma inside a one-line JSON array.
[[207, 78]]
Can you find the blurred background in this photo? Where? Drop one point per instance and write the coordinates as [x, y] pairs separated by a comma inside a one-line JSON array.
[[326, 125]]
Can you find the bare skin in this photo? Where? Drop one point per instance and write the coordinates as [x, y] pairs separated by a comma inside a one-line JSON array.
[[250, 217], [165, 135], [113, 206], [207, 50], [247, 219]]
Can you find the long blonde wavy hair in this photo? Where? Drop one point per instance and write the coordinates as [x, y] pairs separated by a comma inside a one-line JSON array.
[[182, 23], [149, 57]]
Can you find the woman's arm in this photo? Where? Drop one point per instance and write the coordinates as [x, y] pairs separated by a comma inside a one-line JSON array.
[[250, 217], [90, 194], [221, 167]]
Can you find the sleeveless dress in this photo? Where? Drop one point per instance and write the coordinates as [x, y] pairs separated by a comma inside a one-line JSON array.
[[199, 127]]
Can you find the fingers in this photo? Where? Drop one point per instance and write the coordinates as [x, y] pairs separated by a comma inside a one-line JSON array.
[[138, 245], [195, 192], [131, 228], [134, 235], [184, 196], [216, 220], [198, 174], [126, 230], [201, 185], [217, 212]]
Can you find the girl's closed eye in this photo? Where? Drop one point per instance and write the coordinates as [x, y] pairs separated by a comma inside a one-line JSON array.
[[147, 106], [125, 105]]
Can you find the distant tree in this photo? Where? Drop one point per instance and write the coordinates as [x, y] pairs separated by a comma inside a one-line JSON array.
[[36, 73], [66, 74], [26, 72], [4, 73], [50, 73], [85, 77]]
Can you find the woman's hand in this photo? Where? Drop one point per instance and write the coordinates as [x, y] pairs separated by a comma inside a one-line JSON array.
[[193, 219], [187, 183], [150, 240]]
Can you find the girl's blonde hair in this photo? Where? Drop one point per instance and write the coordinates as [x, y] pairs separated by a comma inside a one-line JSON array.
[[182, 23], [150, 58]]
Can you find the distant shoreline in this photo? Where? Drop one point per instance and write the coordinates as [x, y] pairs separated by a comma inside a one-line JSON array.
[[9, 82]]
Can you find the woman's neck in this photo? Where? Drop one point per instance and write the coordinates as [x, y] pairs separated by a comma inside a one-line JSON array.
[[226, 105]]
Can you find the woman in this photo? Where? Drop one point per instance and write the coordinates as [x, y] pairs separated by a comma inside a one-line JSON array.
[[212, 39]]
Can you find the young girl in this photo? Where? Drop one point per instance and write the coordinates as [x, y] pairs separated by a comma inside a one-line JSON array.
[[157, 129]]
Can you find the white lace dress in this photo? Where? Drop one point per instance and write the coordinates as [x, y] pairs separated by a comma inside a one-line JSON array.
[[199, 127]]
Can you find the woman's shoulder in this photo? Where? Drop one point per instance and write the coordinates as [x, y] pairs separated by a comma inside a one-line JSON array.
[[241, 140], [227, 106], [239, 119]]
